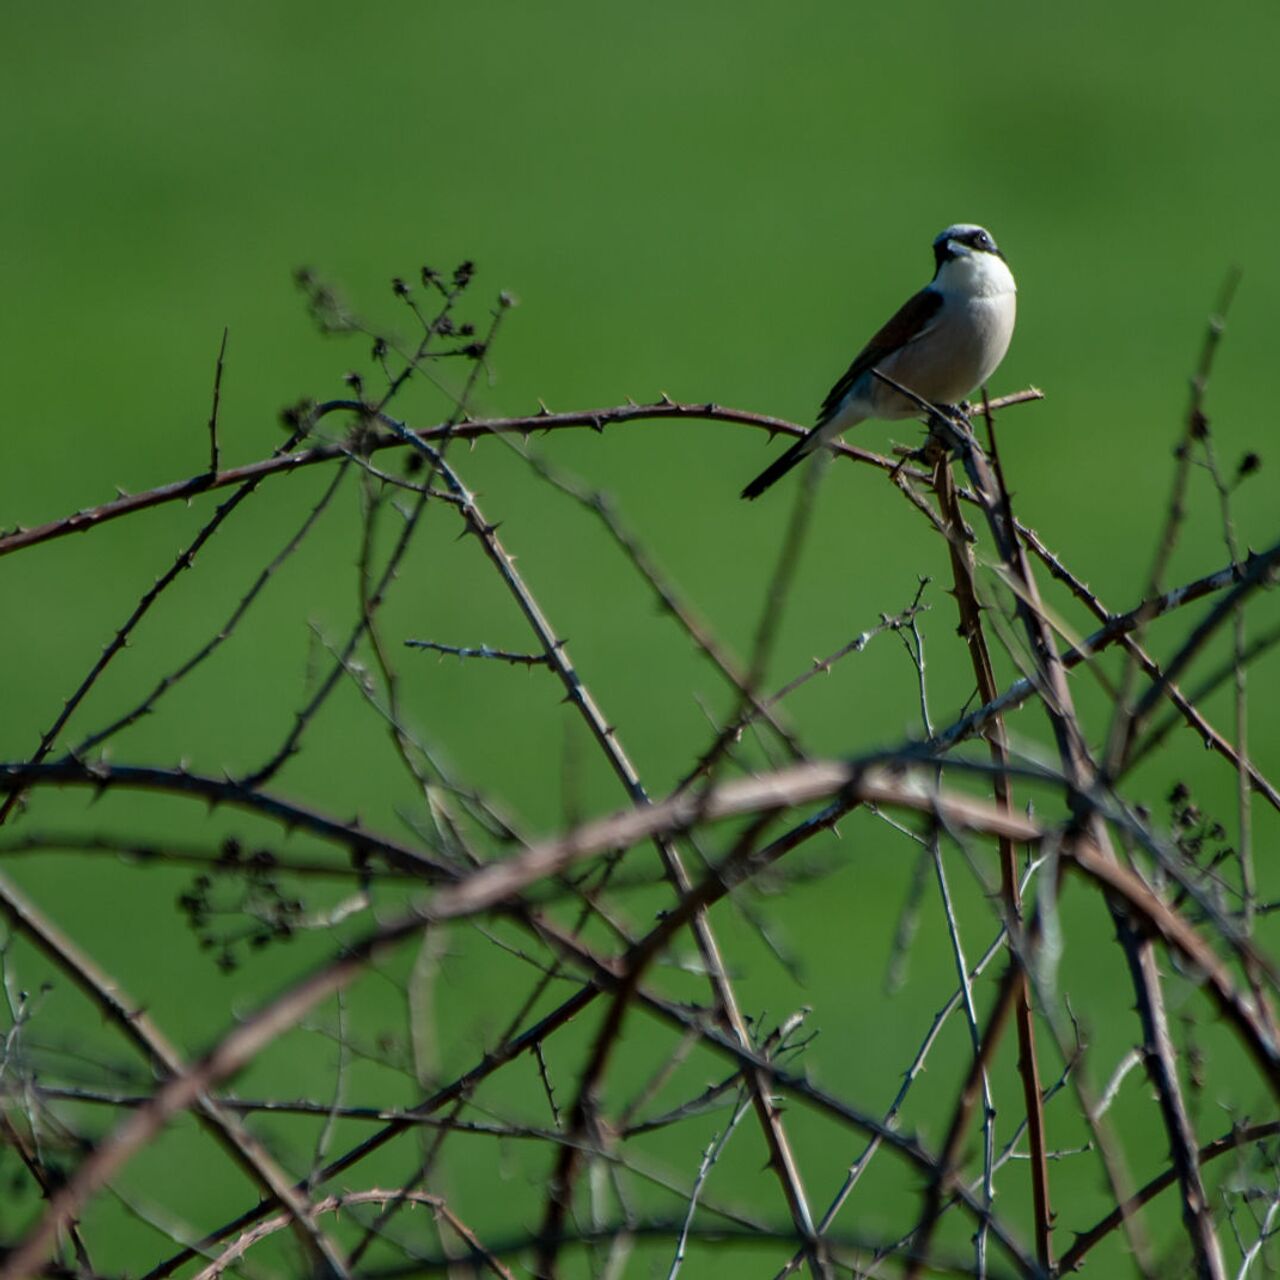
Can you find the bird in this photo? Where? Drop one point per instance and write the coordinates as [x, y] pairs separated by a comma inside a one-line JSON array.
[[941, 343]]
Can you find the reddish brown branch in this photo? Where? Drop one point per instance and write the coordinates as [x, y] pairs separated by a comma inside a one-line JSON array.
[[470, 429], [971, 628]]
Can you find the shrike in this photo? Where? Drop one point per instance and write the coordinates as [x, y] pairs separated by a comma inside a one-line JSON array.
[[942, 343]]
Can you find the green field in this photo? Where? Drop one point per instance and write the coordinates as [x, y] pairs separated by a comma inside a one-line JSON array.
[[712, 202]]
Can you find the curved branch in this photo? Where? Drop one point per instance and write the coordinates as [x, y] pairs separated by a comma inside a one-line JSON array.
[[471, 429]]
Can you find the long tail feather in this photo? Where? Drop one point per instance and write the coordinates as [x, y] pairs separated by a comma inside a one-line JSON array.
[[779, 468]]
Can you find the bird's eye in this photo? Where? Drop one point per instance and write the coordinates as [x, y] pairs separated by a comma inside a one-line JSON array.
[[984, 240]]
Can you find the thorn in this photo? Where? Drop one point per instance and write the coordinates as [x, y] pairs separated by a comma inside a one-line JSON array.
[[666, 399], [543, 411]]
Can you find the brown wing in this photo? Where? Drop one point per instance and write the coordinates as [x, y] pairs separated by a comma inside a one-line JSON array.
[[910, 322]]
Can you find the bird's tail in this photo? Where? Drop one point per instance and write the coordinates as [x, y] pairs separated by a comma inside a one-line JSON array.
[[780, 466]]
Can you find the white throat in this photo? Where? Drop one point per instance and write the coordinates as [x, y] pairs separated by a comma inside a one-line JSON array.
[[975, 275]]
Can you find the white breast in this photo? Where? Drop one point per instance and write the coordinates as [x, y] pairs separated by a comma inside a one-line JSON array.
[[963, 346], [975, 275]]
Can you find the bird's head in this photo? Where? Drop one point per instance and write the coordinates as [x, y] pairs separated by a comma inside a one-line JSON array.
[[962, 240], [968, 259]]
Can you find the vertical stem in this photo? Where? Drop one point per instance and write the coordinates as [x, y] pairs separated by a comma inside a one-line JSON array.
[[980, 656]]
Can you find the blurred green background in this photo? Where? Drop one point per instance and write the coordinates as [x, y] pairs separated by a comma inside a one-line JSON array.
[[717, 202]]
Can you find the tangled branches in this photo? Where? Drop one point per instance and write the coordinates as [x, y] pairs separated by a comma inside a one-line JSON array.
[[619, 1055]]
